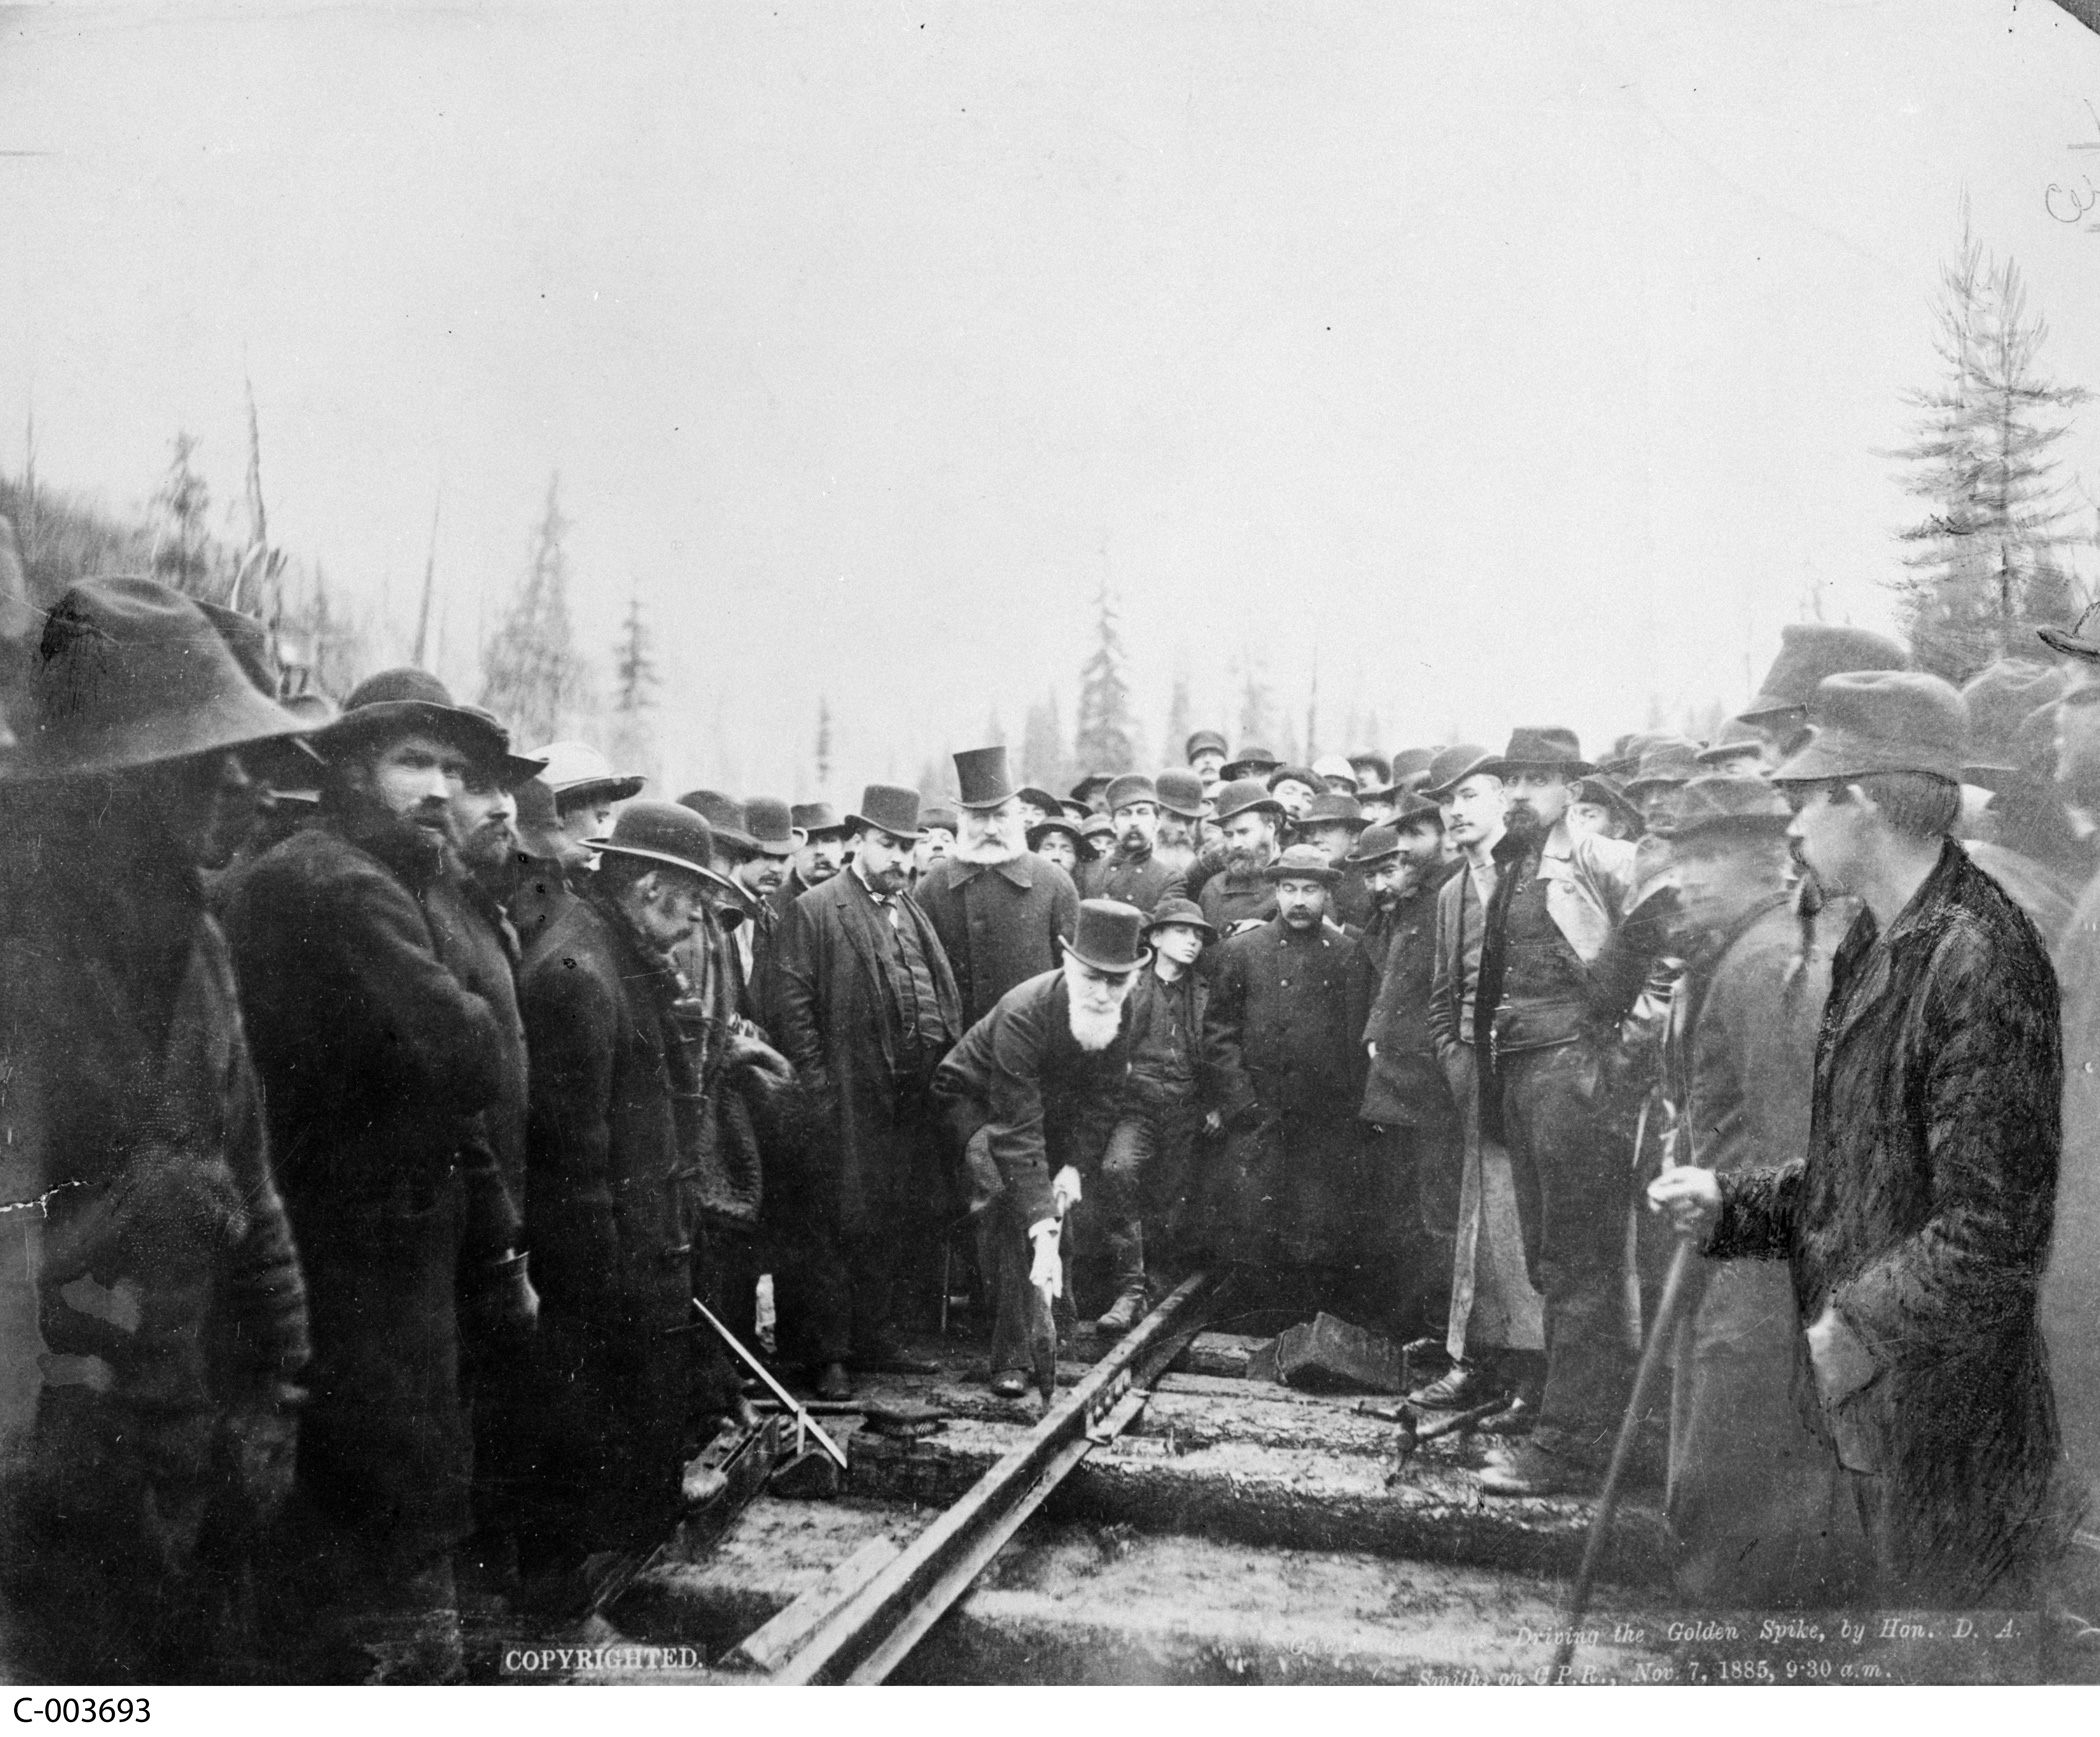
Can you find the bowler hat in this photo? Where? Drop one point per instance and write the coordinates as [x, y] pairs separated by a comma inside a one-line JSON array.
[[1541, 748], [1337, 771], [887, 808], [1411, 766], [1606, 793], [1736, 738], [939, 819], [1180, 793], [1083, 847], [724, 816], [129, 672], [397, 701], [1452, 766], [1304, 775], [982, 778], [577, 772], [1243, 794], [1203, 740], [1108, 936], [665, 832], [1381, 773], [1336, 808], [1872, 721], [1413, 808], [772, 827], [1249, 762], [1040, 798], [815, 820], [1130, 787], [1373, 844], [1089, 787], [1728, 802], [1808, 652], [2000, 699], [1303, 862], [1669, 760], [1185, 913]]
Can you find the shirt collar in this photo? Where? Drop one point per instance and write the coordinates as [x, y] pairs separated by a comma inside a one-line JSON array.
[[1015, 870]]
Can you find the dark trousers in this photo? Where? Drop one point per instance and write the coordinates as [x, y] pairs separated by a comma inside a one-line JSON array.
[[1416, 1177], [1436, 1158], [1140, 1199], [1573, 1182]]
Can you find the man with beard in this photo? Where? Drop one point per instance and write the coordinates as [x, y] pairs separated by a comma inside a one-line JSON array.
[[586, 788], [1917, 1222], [865, 1005], [1554, 1058], [1495, 1328], [1229, 880], [1331, 823], [379, 1064], [157, 1323], [1032, 1092], [1181, 811], [1003, 914], [1289, 1001], [1132, 874], [822, 853], [1204, 755], [1406, 1098]]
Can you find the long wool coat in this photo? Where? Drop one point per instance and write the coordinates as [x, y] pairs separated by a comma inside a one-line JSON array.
[[999, 926], [1405, 1087], [1922, 1212]]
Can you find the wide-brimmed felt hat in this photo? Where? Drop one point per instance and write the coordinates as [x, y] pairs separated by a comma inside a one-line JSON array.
[[1241, 795], [1672, 760], [1872, 721], [816, 820], [577, 772], [670, 833], [514, 768], [1040, 798], [1303, 862], [1180, 793], [1412, 808], [982, 778], [1541, 748], [1606, 793], [1249, 762], [1810, 651], [1304, 775], [1451, 767], [1723, 802], [1129, 787], [2001, 698], [724, 815], [889, 808], [1109, 936], [1184, 913], [772, 826], [129, 672], [1083, 847], [1336, 770], [1374, 844], [1736, 738], [1073, 810], [1204, 740], [1381, 767], [1336, 808]]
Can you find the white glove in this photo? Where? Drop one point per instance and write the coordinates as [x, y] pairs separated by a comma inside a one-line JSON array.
[[1064, 1190], [1046, 1269]]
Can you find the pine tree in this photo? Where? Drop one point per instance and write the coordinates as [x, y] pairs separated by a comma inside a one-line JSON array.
[[1043, 759], [1984, 568], [182, 545], [823, 746], [1178, 726], [1102, 735], [1257, 708], [633, 745], [531, 676]]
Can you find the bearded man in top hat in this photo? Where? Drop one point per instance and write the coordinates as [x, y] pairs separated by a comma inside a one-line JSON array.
[[1032, 1092], [821, 855], [1284, 1028], [382, 1056], [1132, 873], [1809, 651], [586, 788], [141, 1461], [1917, 1221], [1204, 755], [1002, 912], [865, 1006]]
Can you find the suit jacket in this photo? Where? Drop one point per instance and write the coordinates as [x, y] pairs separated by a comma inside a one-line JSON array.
[[1405, 1086], [999, 925]]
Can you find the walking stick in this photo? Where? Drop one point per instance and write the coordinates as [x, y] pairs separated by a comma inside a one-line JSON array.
[[1673, 1293]]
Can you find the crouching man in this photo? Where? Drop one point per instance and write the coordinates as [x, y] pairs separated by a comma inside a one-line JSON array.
[[1032, 1091]]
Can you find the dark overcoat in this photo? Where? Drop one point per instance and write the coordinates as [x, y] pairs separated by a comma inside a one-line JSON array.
[[999, 925], [1922, 1214], [612, 1208], [1283, 1030], [1405, 1085], [377, 1065], [1143, 881]]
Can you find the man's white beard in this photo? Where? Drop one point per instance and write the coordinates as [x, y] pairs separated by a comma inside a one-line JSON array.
[[1002, 842], [1090, 1029]]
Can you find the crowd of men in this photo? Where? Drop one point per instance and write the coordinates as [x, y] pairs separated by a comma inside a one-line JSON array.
[[381, 1105]]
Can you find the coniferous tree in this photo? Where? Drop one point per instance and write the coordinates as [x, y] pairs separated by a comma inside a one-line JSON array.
[[531, 675], [1178, 726], [1044, 761], [1103, 740], [182, 544], [633, 736], [823, 745]]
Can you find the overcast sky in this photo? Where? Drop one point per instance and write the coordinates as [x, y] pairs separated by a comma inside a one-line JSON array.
[[1521, 362]]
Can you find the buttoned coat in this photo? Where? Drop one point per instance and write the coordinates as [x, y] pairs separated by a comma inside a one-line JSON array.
[[1130, 879], [999, 925], [1921, 1213], [1405, 1085]]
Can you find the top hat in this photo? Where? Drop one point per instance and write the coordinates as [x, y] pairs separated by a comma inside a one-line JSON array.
[[2000, 699], [1374, 844], [888, 808], [1180, 793], [1721, 802], [1108, 937], [1243, 794], [1607, 793], [664, 832], [1184, 912], [772, 827], [1451, 767], [1540, 747], [1667, 760], [1130, 787], [982, 777], [1202, 740], [1304, 775], [815, 820], [1381, 769], [1083, 847], [1736, 738], [1808, 652], [1303, 862], [1250, 762], [1040, 798], [724, 816], [1411, 766], [1336, 808], [939, 819], [577, 772], [129, 672], [1872, 721]]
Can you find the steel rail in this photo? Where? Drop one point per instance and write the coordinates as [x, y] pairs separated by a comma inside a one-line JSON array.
[[868, 1636]]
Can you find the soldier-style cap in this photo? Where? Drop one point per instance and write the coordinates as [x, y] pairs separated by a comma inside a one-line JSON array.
[[1204, 741], [816, 820], [887, 808], [772, 827], [1451, 767], [1130, 787], [1246, 793], [1184, 913], [1725, 802], [1303, 862], [1180, 793], [1109, 937], [1882, 721], [1808, 652]]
